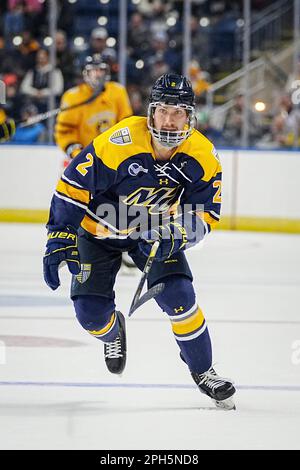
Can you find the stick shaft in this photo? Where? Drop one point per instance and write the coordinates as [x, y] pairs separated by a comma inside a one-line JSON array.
[[144, 277], [53, 112]]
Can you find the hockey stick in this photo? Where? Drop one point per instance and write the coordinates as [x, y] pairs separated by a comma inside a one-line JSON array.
[[53, 112], [155, 290]]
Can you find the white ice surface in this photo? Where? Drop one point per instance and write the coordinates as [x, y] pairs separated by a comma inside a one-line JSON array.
[[55, 392]]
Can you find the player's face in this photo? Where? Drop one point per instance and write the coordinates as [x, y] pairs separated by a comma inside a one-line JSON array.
[[169, 118], [96, 74]]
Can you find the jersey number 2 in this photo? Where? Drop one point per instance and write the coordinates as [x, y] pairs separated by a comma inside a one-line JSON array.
[[82, 167], [217, 197]]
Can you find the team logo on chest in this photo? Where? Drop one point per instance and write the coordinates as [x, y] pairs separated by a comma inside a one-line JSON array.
[[121, 137], [135, 168], [156, 200]]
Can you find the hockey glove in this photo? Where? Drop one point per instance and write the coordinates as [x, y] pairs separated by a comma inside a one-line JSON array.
[[184, 232], [61, 246], [7, 130]]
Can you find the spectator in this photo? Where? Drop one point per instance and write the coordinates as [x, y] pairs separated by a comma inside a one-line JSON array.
[[14, 20], [286, 123], [199, 78], [30, 134], [161, 52], [36, 84], [26, 52], [98, 46], [65, 59], [138, 36], [33, 10], [234, 123], [290, 83]]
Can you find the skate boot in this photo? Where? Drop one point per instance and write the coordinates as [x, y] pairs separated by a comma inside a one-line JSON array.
[[220, 390], [115, 351]]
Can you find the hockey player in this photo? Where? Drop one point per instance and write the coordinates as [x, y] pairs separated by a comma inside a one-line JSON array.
[[76, 128], [7, 127], [157, 166]]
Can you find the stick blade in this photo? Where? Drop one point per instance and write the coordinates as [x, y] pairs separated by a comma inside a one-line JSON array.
[[150, 294]]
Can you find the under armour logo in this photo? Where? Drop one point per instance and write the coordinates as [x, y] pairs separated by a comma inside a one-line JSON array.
[[180, 309], [161, 181]]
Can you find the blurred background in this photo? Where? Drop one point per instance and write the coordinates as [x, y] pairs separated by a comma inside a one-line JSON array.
[[242, 56], [212, 41]]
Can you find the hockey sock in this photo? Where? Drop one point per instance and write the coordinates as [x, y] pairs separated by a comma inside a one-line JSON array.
[[188, 323], [96, 314]]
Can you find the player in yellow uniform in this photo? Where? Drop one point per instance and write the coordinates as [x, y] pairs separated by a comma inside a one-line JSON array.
[[7, 127], [118, 195], [107, 104]]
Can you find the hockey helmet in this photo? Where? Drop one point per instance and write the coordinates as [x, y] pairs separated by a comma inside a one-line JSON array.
[[172, 90], [96, 71]]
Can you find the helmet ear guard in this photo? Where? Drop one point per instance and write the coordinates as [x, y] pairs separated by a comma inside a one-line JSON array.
[[172, 90]]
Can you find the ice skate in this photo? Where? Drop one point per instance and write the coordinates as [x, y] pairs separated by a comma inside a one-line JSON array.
[[115, 351], [220, 390]]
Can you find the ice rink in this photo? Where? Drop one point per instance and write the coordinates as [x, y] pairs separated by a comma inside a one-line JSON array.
[[55, 392]]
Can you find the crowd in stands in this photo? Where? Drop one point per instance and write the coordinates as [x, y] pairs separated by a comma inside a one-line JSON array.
[[154, 47]]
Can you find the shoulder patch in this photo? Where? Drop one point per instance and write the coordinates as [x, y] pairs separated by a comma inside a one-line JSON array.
[[121, 137]]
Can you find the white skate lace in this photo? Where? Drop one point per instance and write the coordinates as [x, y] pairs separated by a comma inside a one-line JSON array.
[[113, 349], [212, 380]]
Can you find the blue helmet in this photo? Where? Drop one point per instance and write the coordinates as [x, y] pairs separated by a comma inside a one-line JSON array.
[[172, 89]]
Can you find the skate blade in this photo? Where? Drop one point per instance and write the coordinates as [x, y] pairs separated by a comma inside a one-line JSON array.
[[227, 404]]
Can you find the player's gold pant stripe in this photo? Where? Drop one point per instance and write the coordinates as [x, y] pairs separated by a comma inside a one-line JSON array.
[[105, 329], [94, 227], [190, 324], [79, 194]]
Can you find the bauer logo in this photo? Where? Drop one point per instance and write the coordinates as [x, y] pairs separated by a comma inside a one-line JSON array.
[[121, 137], [295, 358], [2, 353]]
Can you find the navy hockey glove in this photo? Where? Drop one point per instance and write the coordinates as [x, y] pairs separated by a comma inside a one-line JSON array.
[[174, 236], [61, 246], [7, 130]]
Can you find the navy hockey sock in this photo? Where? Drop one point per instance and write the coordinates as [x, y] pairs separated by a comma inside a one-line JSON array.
[[188, 323], [96, 314]]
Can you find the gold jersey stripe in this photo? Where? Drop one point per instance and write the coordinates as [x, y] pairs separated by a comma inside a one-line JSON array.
[[190, 324], [207, 218], [79, 194], [95, 228]]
